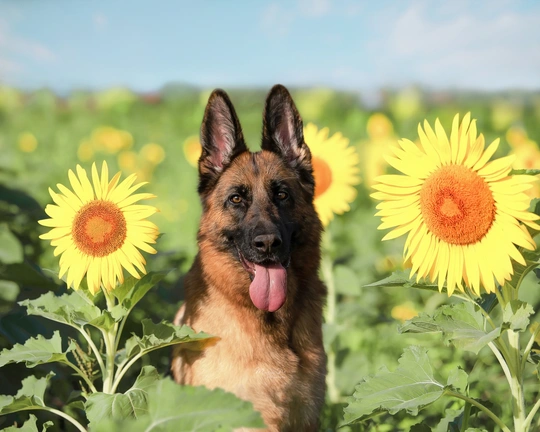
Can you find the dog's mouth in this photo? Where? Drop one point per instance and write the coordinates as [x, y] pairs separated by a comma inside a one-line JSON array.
[[268, 288]]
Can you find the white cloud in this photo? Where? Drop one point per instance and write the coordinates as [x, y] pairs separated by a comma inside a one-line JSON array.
[[12, 45], [313, 8], [276, 20], [462, 49], [100, 21]]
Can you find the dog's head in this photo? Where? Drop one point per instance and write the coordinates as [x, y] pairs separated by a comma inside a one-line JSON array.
[[258, 207]]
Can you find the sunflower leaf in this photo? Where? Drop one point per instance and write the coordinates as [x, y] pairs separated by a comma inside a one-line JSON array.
[[462, 324], [163, 334], [131, 404], [451, 422], [36, 351], [186, 409], [71, 309], [532, 259], [30, 396], [29, 425], [11, 250], [401, 279], [524, 172], [411, 387], [458, 379], [133, 290], [516, 315]]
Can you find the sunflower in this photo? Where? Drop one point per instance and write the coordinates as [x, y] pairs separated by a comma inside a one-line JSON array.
[[98, 228], [335, 168], [192, 150], [464, 215]]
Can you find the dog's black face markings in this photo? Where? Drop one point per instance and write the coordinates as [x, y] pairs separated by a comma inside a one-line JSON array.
[[263, 222]]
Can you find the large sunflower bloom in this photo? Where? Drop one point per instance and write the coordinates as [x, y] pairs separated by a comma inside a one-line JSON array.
[[335, 168], [98, 228], [464, 215]]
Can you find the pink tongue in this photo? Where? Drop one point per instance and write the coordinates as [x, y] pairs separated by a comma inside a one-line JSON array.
[[269, 287]]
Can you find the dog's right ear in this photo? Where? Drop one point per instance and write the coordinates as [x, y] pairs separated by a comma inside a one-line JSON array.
[[221, 139]]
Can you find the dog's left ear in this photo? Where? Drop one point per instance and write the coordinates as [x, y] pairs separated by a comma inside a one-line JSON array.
[[283, 132], [221, 139]]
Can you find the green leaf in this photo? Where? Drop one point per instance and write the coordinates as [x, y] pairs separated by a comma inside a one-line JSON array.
[[462, 324], [411, 387], [476, 430], [71, 309], [176, 408], [516, 315], [11, 250], [451, 421], [525, 172], [458, 380], [29, 426], [401, 279], [8, 291], [30, 396], [532, 259], [420, 427], [36, 351], [161, 335], [131, 404], [346, 281], [133, 290]]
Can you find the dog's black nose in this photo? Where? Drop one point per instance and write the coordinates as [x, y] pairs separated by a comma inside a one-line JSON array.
[[267, 242]]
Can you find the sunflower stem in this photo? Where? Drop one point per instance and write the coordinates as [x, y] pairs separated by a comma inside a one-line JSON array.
[[516, 383], [481, 407], [93, 347], [110, 347], [70, 419], [330, 315], [466, 416]]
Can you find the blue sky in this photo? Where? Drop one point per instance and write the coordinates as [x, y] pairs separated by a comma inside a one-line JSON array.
[[362, 45]]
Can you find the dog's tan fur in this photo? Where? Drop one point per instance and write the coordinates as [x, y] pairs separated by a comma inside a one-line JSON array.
[[275, 360]]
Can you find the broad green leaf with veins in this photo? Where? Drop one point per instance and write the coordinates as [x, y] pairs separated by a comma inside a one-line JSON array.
[[462, 324], [176, 408], [133, 403], [30, 396], [36, 351], [161, 335], [516, 315], [411, 387]]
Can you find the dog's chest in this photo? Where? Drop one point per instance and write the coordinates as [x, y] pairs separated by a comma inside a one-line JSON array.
[[253, 366]]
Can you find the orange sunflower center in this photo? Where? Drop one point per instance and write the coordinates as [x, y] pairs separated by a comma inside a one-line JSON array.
[[322, 174], [99, 228], [457, 205]]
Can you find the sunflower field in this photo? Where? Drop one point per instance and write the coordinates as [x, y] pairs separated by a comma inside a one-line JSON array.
[[430, 207]]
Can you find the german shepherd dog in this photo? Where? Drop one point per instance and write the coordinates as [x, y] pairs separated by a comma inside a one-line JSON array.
[[254, 283]]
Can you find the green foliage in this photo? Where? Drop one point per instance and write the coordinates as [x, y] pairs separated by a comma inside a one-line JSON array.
[[160, 335], [29, 426], [37, 351], [30, 396], [72, 309], [411, 387], [119, 406], [462, 324], [401, 279], [516, 315], [174, 408]]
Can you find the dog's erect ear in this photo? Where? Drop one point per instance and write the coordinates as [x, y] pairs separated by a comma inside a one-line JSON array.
[[283, 130], [221, 138]]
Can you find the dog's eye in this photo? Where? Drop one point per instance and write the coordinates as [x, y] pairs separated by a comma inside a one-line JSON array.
[[282, 196], [235, 199]]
